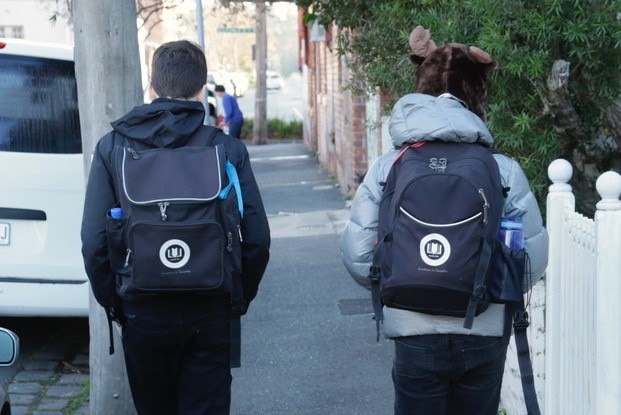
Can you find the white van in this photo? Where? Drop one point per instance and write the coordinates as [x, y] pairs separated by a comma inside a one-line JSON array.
[[41, 183]]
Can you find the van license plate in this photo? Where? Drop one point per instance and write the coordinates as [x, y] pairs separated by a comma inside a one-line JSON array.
[[5, 233]]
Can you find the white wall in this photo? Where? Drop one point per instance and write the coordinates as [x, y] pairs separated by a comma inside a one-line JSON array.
[[34, 16]]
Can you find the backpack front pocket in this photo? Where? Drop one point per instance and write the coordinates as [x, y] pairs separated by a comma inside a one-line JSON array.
[[168, 257], [433, 264]]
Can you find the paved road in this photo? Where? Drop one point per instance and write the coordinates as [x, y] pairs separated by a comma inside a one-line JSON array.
[[286, 103], [308, 341]]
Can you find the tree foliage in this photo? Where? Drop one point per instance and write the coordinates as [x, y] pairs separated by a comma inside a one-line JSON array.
[[526, 37]]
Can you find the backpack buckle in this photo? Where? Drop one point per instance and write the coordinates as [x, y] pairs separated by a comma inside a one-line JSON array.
[[479, 293], [521, 320], [374, 275]]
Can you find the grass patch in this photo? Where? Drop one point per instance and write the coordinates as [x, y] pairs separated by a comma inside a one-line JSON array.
[[276, 129], [77, 402]]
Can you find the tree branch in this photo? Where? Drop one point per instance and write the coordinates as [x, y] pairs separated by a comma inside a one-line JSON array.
[[566, 121], [612, 120]]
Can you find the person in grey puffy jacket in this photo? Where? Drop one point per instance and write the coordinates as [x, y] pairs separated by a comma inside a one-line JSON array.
[[439, 366]]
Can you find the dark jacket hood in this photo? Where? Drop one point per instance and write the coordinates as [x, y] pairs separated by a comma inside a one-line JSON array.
[[162, 123]]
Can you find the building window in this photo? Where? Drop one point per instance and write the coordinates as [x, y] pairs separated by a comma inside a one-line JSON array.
[[16, 32]]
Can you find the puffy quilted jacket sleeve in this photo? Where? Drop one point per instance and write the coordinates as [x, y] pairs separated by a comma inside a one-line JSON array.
[[521, 202], [358, 238]]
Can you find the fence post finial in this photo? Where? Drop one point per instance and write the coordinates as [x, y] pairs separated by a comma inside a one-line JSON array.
[[609, 188], [560, 172]]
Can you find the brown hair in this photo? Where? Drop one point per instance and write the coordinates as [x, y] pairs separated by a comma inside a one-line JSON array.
[[179, 70], [457, 69]]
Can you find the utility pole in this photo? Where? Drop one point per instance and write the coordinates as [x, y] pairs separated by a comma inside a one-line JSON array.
[[109, 84], [259, 133], [200, 28], [199, 23]]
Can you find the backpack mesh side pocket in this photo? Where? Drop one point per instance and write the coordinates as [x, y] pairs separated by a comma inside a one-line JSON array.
[[507, 274]]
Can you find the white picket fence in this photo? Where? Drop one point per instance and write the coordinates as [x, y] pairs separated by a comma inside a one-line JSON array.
[[583, 300]]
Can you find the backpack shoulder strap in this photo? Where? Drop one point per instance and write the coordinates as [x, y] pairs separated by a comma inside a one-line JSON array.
[[204, 135], [405, 148]]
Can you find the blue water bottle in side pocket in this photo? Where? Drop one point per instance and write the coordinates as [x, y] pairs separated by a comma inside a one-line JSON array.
[[512, 233], [506, 280], [116, 213], [115, 235]]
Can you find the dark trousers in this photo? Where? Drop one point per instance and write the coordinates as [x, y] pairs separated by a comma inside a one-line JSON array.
[[448, 374], [235, 128], [179, 364]]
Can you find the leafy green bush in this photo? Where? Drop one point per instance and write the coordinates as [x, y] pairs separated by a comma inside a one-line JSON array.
[[276, 128], [525, 36]]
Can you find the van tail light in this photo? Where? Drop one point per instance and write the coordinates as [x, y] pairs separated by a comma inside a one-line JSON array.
[[2, 45]]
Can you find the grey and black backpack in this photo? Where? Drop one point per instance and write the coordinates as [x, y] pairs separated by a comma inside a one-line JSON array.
[[182, 208], [438, 222]]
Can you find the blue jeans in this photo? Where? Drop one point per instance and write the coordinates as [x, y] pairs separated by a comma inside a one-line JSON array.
[[448, 374], [179, 363]]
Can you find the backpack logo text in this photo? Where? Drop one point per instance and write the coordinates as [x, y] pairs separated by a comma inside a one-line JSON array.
[[439, 165]]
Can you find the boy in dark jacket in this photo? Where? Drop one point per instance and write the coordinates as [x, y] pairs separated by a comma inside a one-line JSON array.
[[176, 346]]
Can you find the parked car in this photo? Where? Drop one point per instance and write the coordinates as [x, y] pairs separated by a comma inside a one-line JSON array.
[[9, 350], [42, 183], [273, 80]]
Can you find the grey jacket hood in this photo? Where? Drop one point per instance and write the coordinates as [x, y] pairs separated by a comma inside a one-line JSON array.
[[420, 117]]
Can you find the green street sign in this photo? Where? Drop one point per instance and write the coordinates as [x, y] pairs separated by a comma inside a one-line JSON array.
[[236, 30]]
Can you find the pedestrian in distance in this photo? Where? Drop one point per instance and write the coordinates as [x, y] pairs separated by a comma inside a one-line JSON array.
[[233, 117], [443, 364], [175, 241]]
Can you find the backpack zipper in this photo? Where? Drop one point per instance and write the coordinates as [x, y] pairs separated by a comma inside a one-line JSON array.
[[485, 206], [163, 206], [135, 155], [439, 225], [229, 242], [129, 252]]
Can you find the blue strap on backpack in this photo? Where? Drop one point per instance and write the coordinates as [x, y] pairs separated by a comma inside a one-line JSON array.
[[231, 172]]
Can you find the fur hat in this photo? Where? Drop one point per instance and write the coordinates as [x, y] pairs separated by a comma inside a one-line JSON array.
[[458, 69]]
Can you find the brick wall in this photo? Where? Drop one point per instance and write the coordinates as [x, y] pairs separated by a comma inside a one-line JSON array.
[[336, 117]]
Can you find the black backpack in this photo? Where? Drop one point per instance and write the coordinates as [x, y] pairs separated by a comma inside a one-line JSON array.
[[182, 208], [438, 222], [181, 226]]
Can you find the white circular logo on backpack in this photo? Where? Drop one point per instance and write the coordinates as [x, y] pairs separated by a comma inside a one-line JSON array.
[[435, 249], [174, 253]]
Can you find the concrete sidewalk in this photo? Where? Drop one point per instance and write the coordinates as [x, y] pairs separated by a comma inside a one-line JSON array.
[[308, 341]]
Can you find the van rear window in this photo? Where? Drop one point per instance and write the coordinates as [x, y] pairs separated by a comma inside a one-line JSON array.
[[38, 106]]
